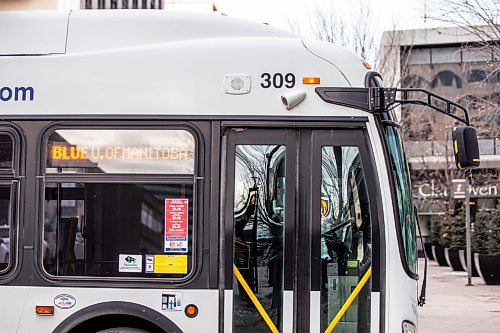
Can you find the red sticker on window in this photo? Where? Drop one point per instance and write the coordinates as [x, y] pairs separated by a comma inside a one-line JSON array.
[[176, 225]]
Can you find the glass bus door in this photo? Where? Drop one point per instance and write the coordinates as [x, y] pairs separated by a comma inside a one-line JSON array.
[[259, 231], [297, 231], [341, 234]]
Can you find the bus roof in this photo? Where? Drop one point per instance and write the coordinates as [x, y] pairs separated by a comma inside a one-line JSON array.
[[157, 62], [52, 32]]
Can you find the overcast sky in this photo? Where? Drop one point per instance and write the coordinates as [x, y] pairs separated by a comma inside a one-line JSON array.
[[387, 14], [405, 13]]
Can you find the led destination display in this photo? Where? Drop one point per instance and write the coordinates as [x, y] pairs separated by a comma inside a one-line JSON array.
[[65, 152], [121, 151]]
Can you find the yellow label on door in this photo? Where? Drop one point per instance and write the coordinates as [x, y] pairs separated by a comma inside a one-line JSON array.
[[171, 264]]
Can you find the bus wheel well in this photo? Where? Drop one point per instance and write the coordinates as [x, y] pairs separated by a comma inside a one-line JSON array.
[[109, 315], [115, 320]]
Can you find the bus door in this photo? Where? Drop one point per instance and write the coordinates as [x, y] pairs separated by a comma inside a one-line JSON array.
[[297, 231], [342, 252]]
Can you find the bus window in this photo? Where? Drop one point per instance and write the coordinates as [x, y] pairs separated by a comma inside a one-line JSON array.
[[6, 152], [125, 225], [259, 210], [5, 223], [345, 238], [88, 226], [6, 177], [401, 178]]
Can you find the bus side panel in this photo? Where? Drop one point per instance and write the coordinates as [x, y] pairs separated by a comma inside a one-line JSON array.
[[22, 318]]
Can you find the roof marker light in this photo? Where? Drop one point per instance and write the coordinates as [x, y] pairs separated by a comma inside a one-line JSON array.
[[310, 80], [367, 64]]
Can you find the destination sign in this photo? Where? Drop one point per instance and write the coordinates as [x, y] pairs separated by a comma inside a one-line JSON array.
[[96, 153], [121, 151]]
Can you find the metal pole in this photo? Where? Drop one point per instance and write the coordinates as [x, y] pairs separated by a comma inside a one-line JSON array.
[[467, 234]]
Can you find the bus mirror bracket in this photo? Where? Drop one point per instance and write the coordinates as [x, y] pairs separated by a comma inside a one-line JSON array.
[[380, 99]]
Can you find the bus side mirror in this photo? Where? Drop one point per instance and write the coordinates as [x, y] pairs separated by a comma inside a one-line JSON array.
[[465, 147]]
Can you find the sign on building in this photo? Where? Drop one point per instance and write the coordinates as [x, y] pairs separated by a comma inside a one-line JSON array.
[[459, 188]]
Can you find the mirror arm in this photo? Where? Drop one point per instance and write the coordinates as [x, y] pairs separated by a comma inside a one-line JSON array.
[[378, 99], [431, 97]]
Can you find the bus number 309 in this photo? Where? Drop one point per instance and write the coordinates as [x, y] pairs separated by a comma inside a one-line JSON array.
[[277, 80]]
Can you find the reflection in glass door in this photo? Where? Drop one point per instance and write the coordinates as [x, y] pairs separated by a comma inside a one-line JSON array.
[[346, 246], [258, 238], [298, 276]]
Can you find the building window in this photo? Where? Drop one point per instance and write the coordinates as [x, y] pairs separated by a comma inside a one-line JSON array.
[[447, 79], [477, 75], [122, 4], [446, 55], [119, 204], [419, 56], [476, 54], [494, 77]]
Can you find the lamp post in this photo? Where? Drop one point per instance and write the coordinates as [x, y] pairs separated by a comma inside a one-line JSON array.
[[460, 188]]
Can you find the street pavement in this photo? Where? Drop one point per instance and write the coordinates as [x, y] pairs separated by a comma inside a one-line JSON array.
[[451, 306]]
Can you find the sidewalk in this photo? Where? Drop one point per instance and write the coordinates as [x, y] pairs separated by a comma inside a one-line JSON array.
[[452, 306]]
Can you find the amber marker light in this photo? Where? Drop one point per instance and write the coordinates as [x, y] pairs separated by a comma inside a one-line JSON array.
[[44, 310], [367, 64], [310, 80], [191, 311]]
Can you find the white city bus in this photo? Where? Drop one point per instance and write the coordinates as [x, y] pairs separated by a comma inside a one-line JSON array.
[[165, 172]]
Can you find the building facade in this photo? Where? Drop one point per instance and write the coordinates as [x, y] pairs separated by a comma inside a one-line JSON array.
[[183, 5], [464, 68]]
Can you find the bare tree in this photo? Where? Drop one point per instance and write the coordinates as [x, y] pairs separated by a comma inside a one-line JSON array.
[[327, 25], [476, 22], [392, 58], [480, 18], [363, 41], [353, 30]]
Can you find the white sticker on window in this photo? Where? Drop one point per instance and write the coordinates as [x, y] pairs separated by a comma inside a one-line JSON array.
[[150, 263], [130, 263]]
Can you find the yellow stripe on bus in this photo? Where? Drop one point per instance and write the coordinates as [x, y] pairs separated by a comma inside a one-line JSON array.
[[349, 301], [255, 301], [455, 144]]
